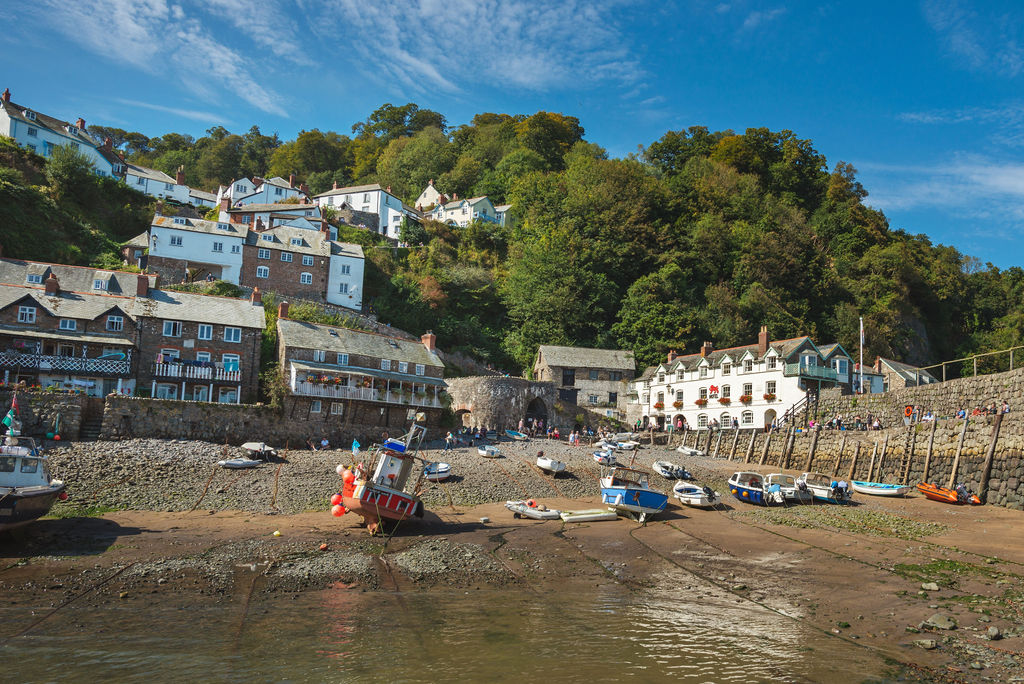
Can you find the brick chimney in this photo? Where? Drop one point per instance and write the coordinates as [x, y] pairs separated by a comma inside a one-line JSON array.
[[291, 180], [387, 189], [762, 342], [706, 349], [142, 289], [455, 196], [179, 177], [80, 123], [225, 203], [52, 286], [671, 356], [304, 188], [429, 340], [282, 310], [6, 95], [430, 182], [334, 186], [256, 297], [878, 364], [259, 225], [108, 144]]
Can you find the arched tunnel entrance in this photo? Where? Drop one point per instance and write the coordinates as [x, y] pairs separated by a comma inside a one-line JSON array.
[[464, 418], [536, 410]]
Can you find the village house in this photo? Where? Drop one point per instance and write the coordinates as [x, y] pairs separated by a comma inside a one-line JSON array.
[[368, 199], [178, 244], [41, 134], [430, 197], [594, 378], [896, 375], [754, 385], [463, 212], [158, 184], [503, 212], [244, 191], [352, 377], [268, 215]]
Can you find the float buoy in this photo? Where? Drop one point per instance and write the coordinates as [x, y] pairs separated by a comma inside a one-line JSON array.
[[348, 477], [336, 499], [337, 510]]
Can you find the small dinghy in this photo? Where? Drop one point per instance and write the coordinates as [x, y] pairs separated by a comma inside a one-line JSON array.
[[625, 436], [605, 458], [531, 509], [549, 465], [791, 492], [690, 451], [259, 450], [748, 487], [628, 490], [627, 446], [437, 472], [239, 463], [489, 451], [670, 471], [879, 489], [518, 436], [589, 515], [824, 488], [960, 495], [690, 494]]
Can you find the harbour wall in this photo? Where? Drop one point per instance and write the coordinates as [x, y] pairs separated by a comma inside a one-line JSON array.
[[39, 412]]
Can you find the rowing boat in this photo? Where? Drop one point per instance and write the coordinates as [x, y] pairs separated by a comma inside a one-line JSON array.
[[880, 489]]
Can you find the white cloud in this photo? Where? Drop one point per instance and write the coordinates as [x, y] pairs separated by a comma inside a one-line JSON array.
[[458, 45], [165, 40], [758, 17], [194, 114], [1005, 123], [985, 39], [266, 24]]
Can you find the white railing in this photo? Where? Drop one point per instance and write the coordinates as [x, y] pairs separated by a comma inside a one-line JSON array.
[[309, 389], [71, 364], [177, 370]]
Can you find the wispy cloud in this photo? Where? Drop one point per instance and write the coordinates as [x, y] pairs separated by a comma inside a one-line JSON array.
[[265, 23], [194, 114], [1005, 123], [458, 45], [985, 39], [759, 17], [166, 40]]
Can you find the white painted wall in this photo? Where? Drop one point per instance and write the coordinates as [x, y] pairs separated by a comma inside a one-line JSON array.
[[353, 299], [44, 139], [198, 248], [155, 188]]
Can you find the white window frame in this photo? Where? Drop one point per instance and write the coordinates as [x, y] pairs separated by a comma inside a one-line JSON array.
[[205, 331], [319, 356], [236, 249], [307, 260], [34, 279], [262, 272], [315, 406], [343, 288], [420, 369], [346, 269], [204, 356], [748, 365], [296, 242], [769, 387], [342, 359], [218, 246], [305, 278], [26, 314], [286, 257], [172, 329], [771, 362], [747, 418], [725, 392], [385, 364], [748, 389], [176, 241], [726, 369], [702, 420], [403, 366], [99, 284], [337, 408], [115, 323], [232, 334], [262, 253], [68, 324]]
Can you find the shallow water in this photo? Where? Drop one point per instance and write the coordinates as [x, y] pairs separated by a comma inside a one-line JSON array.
[[603, 634]]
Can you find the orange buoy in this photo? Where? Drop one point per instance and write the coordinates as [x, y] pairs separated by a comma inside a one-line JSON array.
[[338, 510], [336, 499], [348, 477]]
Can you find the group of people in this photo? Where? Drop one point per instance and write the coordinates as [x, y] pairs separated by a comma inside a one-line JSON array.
[[990, 409], [837, 422]]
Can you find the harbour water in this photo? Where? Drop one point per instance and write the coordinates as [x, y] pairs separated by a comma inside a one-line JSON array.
[[604, 634]]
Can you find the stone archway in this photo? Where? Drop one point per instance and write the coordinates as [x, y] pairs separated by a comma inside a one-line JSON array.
[[464, 418], [769, 418], [537, 409]]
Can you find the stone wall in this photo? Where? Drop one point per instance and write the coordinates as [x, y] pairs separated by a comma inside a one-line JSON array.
[[944, 398], [38, 410], [500, 402]]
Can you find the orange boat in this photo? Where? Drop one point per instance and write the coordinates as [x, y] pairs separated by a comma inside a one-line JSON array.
[[960, 495]]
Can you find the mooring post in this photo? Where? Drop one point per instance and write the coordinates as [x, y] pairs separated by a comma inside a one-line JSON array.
[[767, 442], [956, 459], [881, 458], [839, 456], [928, 456], [908, 454], [718, 443], [735, 442], [853, 466], [871, 466], [986, 470], [811, 449], [750, 447], [787, 448]]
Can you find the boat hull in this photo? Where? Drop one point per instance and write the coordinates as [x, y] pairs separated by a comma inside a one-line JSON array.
[[696, 497], [549, 465], [879, 489], [754, 495], [945, 495], [23, 505], [518, 436], [375, 504], [826, 495], [524, 510], [634, 500]]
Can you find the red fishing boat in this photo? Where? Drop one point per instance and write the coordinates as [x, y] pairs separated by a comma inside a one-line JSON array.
[[960, 495], [381, 495]]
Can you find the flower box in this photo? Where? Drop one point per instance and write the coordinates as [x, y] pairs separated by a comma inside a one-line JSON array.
[[746, 398], [677, 404], [769, 396], [659, 405], [724, 401], [701, 402]]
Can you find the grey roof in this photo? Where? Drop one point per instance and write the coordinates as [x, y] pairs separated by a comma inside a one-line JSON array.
[[279, 182], [455, 204], [186, 306], [907, 371], [194, 225], [70, 278], [347, 249], [784, 348], [151, 174], [347, 341], [70, 335], [202, 194], [67, 304], [59, 126], [304, 366], [351, 189], [280, 207], [502, 207], [583, 357], [311, 241], [140, 240], [828, 350]]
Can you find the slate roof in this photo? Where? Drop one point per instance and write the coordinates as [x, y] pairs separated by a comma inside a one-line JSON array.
[[828, 350], [906, 371], [202, 194], [279, 182], [347, 341], [583, 357], [59, 126], [351, 190], [455, 204], [502, 207], [279, 208], [66, 304], [69, 278], [195, 225], [783, 348], [348, 249], [306, 366], [312, 242], [151, 174]]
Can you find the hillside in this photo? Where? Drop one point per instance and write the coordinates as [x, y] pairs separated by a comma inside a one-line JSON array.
[[703, 235]]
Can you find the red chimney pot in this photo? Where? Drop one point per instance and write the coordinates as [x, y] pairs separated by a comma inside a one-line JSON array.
[[282, 310], [51, 285]]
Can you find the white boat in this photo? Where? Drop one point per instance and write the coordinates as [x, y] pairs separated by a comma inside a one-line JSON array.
[[824, 488], [627, 446], [239, 463], [671, 471], [437, 472], [489, 451], [259, 450], [26, 490], [607, 445], [791, 492], [550, 465], [605, 458], [531, 509], [880, 489], [690, 451], [625, 436], [690, 494], [589, 515], [518, 436]]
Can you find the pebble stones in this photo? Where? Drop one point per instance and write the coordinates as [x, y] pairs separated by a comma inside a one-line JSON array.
[[940, 621]]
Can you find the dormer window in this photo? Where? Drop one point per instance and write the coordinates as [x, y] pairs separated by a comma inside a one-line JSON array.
[[748, 365], [72, 130], [296, 241], [726, 368], [30, 115], [703, 372], [772, 361], [99, 284], [223, 226], [180, 221], [35, 279], [267, 238]]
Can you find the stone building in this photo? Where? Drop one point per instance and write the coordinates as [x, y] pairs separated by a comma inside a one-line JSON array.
[[595, 378], [896, 375], [358, 377]]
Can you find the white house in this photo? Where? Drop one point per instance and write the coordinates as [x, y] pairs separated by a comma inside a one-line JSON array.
[[753, 385], [345, 277], [196, 243], [201, 198], [430, 197], [269, 191], [371, 199], [41, 134], [465, 211], [157, 183], [503, 213]]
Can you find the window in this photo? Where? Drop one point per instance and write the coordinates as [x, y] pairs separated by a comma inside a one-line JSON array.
[[236, 249], [403, 367], [178, 220], [593, 375], [337, 408], [262, 272], [366, 197], [314, 406], [168, 186], [175, 241], [166, 391], [115, 323], [205, 331], [203, 356], [660, 398], [319, 355], [702, 420], [30, 115], [172, 328], [262, 253], [232, 334], [704, 393], [47, 148], [420, 370], [613, 397], [342, 359], [306, 278], [769, 387], [343, 288], [726, 369], [307, 260], [33, 132], [748, 389], [218, 246], [726, 421], [747, 418], [68, 324], [35, 279], [99, 284], [223, 226], [842, 365], [772, 360], [230, 361], [592, 398], [661, 377], [286, 256], [246, 219], [280, 191], [703, 372], [726, 392], [346, 269], [385, 364], [267, 238], [239, 187], [26, 314], [296, 241], [31, 147], [748, 365], [309, 212]]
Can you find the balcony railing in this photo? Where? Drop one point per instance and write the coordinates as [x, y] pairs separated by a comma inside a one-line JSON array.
[[67, 364], [481, 216], [811, 372], [309, 389], [183, 372]]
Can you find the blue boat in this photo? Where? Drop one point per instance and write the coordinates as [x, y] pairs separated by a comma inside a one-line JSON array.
[[748, 487], [518, 436], [628, 490]]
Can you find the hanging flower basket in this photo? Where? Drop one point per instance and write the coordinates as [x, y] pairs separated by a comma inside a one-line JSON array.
[[677, 404], [311, 379], [769, 396], [746, 398], [724, 401], [701, 402], [659, 405]]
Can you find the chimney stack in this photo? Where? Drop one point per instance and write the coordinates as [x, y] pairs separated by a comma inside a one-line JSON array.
[[387, 189], [179, 177], [6, 95], [225, 203], [52, 286], [455, 196], [671, 356], [108, 144], [429, 340], [762, 342], [334, 186], [259, 224], [291, 180], [706, 349], [282, 310], [878, 364], [142, 289], [80, 123], [304, 189], [256, 297]]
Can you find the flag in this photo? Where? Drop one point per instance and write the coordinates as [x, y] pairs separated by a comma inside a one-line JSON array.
[[355, 447]]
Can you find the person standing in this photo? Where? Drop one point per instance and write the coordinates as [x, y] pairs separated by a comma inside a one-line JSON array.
[[448, 439]]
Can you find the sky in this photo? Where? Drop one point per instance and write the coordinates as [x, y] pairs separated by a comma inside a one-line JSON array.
[[923, 98]]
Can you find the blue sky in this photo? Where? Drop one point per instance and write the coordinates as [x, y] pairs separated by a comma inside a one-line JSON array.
[[923, 98]]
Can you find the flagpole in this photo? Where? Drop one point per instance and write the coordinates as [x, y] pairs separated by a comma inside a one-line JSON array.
[[862, 355]]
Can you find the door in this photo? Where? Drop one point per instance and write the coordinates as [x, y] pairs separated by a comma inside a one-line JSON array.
[[568, 377], [200, 393]]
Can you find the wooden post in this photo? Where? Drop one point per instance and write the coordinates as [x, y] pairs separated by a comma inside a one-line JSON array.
[[908, 455], [956, 459], [975, 373], [986, 469], [881, 458], [839, 456], [853, 466], [871, 467], [787, 449], [767, 443], [718, 443], [735, 442], [750, 447], [928, 456], [811, 449]]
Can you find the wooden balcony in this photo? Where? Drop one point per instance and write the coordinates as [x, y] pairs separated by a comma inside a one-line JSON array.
[[65, 364], [180, 371]]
